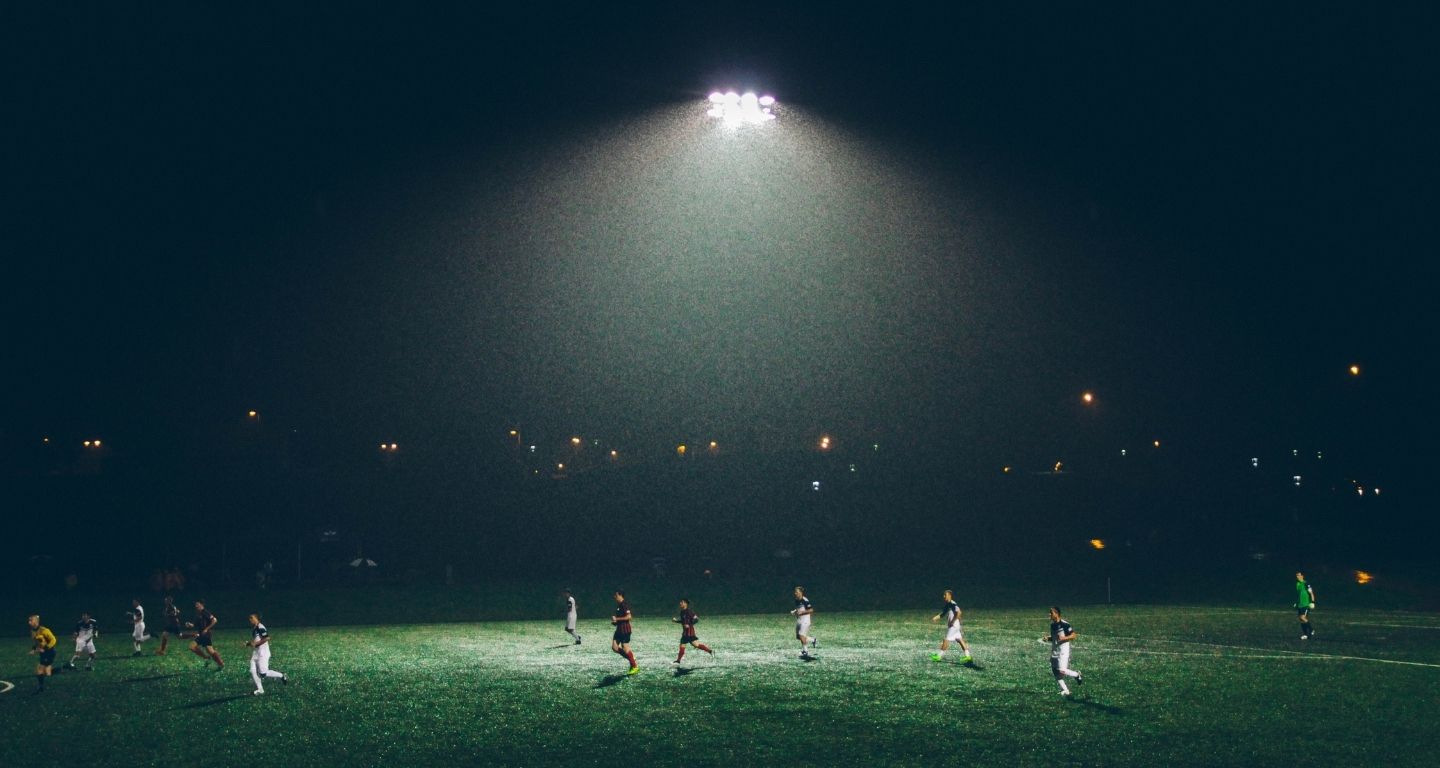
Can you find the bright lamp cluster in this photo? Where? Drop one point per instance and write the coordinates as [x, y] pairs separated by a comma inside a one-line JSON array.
[[735, 108]]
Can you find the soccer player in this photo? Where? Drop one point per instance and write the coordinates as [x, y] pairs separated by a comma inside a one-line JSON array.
[[954, 628], [1061, 633], [204, 643], [172, 625], [44, 643], [802, 613], [1304, 601], [259, 644], [571, 614], [686, 620], [86, 630], [620, 643], [137, 620]]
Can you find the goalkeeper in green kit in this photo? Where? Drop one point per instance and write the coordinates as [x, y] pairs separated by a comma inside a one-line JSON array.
[[1304, 601]]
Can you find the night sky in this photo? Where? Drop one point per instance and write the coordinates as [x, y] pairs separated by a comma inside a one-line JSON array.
[[398, 222]]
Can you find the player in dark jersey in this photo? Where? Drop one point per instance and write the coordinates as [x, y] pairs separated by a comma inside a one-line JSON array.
[[43, 643], [86, 630], [802, 613], [1304, 601], [172, 625], [686, 620], [204, 643], [1061, 633], [620, 642]]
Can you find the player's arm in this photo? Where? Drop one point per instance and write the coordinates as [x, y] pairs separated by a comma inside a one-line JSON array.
[[956, 618], [213, 621], [1069, 637], [1311, 590]]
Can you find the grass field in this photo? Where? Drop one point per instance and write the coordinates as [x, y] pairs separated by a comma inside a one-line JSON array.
[[1164, 686]]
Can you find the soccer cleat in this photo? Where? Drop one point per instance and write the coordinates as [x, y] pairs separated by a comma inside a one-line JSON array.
[[1065, 693], [677, 661], [1079, 678], [633, 671], [577, 641], [936, 657], [1304, 637], [284, 679], [257, 692]]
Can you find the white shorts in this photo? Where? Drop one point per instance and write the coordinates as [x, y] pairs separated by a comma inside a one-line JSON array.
[[139, 633], [84, 646], [802, 625], [570, 621], [1060, 657], [260, 658], [954, 633]]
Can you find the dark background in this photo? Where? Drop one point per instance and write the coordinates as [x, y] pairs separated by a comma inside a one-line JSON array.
[[378, 224]]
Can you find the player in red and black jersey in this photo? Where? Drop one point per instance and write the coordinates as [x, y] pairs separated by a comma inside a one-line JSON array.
[[620, 643], [686, 620], [172, 625], [204, 643]]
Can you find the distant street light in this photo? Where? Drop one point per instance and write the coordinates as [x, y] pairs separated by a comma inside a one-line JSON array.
[[1354, 370], [253, 415], [824, 442], [1088, 397], [735, 109], [575, 441]]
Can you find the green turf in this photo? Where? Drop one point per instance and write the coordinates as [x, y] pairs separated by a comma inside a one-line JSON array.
[[1164, 686]]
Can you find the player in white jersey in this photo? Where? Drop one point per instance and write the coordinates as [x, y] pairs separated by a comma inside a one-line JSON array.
[[1061, 633], [802, 613], [571, 614], [954, 628], [86, 630], [137, 621], [259, 645]]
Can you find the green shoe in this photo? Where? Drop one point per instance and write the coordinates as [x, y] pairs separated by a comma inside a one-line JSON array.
[[936, 657], [966, 660], [633, 671]]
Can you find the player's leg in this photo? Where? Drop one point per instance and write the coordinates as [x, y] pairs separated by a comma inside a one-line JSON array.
[[629, 656], [255, 674], [703, 647], [198, 650], [215, 654], [681, 655], [164, 642], [90, 662]]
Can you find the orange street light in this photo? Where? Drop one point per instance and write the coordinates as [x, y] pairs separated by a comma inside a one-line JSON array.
[[1354, 370], [1088, 397], [1097, 543]]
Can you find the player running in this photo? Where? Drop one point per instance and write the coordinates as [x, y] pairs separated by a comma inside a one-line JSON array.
[[1304, 601], [86, 630], [1061, 633], [43, 643], [620, 642], [172, 625], [954, 628], [204, 643], [137, 621], [571, 614], [802, 613], [259, 645], [686, 620]]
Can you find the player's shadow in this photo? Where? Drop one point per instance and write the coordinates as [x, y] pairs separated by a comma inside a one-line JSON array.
[[808, 659], [973, 666], [212, 702], [1097, 705], [151, 678], [683, 671], [562, 645], [609, 680]]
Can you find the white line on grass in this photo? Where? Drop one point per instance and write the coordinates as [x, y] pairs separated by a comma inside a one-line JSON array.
[[8, 686], [1402, 626]]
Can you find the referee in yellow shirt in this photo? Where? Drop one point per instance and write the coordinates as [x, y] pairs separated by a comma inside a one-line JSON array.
[[45, 646]]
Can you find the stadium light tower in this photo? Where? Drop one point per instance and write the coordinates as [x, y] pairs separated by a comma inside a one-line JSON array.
[[736, 109]]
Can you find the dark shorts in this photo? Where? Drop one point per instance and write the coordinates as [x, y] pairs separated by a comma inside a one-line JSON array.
[[688, 638], [204, 641], [173, 629], [1303, 613], [621, 637], [47, 658]]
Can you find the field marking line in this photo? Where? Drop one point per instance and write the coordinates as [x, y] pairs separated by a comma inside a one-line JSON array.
[[9, 686], [1402, 626], [1287, 654]]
